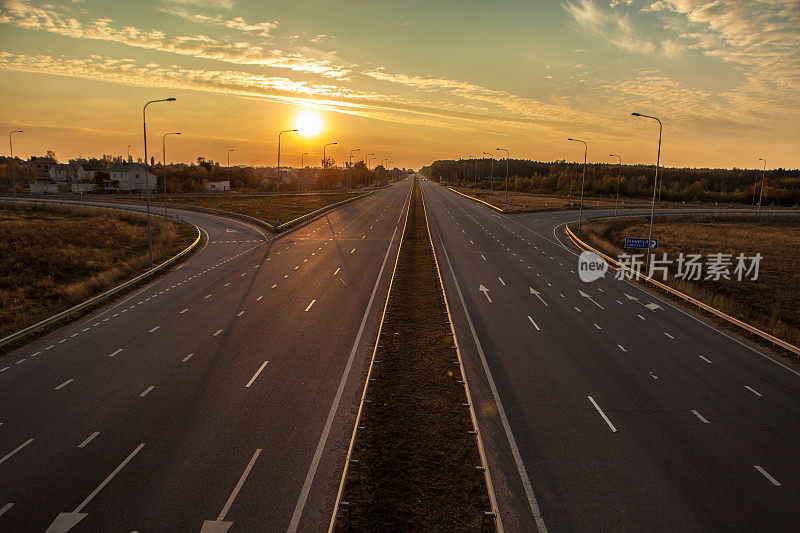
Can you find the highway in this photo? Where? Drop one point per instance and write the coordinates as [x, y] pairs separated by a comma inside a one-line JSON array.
[[221, 395], [603, 406]]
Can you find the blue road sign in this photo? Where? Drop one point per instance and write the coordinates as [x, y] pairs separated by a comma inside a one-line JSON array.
[[640, 243]]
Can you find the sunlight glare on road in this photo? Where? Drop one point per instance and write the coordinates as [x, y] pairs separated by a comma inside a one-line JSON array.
[[309, 123]]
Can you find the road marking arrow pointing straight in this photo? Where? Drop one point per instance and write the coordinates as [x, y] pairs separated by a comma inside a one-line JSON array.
[[538, 295], [485, 291], [590, 299], [653, 306], [631, 297], [66, 521]]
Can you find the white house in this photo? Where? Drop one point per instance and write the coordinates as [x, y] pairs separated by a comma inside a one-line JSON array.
[[43, 187], [218, 185], [131, 177]]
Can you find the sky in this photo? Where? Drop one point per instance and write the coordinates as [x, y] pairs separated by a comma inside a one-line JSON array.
[[410, 81]]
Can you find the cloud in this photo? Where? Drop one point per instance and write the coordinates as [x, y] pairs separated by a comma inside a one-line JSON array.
[[216, 4], [617, 29], [23, 15], [237, 23]]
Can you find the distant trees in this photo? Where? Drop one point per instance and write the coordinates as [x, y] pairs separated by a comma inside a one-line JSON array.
[[781, 187]]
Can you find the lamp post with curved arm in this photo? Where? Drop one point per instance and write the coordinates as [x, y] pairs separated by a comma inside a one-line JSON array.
[[583, 178], [761, 191], [164, 162], [324, 165], [146, 172], [491, 170], [618, 176], [506, 198], [13, 173], [278, 195], [655, 183], [350, 167]]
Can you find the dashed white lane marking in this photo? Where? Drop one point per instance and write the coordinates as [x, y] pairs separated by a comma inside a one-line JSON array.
[[309, 305], [115, 352], [64, 384], [88, 439], [704, 359], [577, 309], [501, 280], [598, 327], [217, 333], [763, 472], [640, 316], [751, 389], [4, 368], [534, 324], [353, 250], [227, 284], [15, 450], [5, 508], [701, 417], [337, 271], [668, 335], [484, 258], [147, 391], [259, 298], [240, 313], [621, 347], [20, 361], [207, 296], [184, 310], [154, 329], [187, 358], [275, 285], [256, 374], [602, 414], [243, 274]]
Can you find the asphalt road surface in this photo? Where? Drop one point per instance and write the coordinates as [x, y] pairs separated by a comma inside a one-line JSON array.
[[221, 395], [603, 406]]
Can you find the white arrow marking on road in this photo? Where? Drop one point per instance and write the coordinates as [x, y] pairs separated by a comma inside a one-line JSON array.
[[590, 299], [652, 306], [631, 297], [66, 521], [538, 295], [220, 525], [485, 291]]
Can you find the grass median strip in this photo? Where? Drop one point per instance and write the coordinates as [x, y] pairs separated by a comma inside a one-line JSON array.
[[414, 461]]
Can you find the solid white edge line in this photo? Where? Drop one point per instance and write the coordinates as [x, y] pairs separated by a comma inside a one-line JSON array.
[[701, 417], [766, 475], [238, 486], [88, 439], [512, 442], [5, 508], [70, 380], [602, 414], [256, 374], [147, 391], [751, 389]]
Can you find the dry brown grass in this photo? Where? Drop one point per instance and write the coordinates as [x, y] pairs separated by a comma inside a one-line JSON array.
[[53, 257], [770, 303], [526, 201]]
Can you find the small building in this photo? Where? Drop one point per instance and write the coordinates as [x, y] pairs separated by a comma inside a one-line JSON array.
[[218, 185], [81, 188], [130, 177], [41, 166]]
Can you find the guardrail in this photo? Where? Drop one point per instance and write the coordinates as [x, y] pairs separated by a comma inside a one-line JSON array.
[[487, 204], [309, 216], [744, 325], [102, 296]]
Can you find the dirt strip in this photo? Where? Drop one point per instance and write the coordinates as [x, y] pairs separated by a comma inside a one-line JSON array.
[[416, 458]]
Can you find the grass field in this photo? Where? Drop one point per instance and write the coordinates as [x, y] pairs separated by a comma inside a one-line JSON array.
[[54, 257], [770, 303], [526, 201], [260, 206], [416, 461]]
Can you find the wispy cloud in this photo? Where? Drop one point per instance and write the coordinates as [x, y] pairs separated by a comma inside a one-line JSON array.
[[237, 23], [26, 16], [617, 29]]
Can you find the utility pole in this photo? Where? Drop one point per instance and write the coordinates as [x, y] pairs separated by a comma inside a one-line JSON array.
[[13, 172], [146, 173]]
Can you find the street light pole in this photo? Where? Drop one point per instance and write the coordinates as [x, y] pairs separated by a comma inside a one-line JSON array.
[[583, 179], [367, 162], [229, 165], [129, 154], [324, 165], [146, 171], [761, 191], [506, 198], [302, 187], [491, 169], [475, 188], [618, 176], [350, 167], [13, 173], [164, 162], [278, 195], [655, 183]]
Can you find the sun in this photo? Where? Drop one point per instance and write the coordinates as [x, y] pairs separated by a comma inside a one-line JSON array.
[[309, 123]]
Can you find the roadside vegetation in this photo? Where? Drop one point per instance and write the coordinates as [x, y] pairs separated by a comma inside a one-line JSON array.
[[526, 201], [416, 468], [53, 257], [769, 303]]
